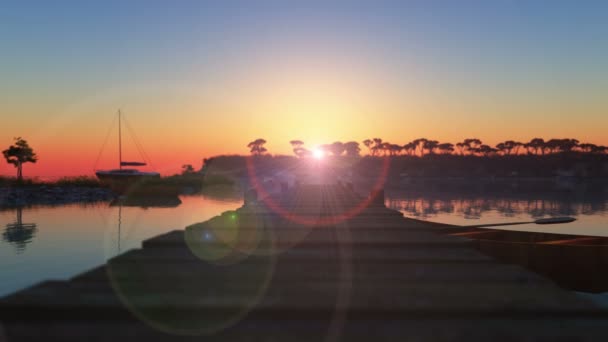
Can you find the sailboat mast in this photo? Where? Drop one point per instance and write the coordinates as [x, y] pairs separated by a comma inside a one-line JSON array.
[[119, 142]]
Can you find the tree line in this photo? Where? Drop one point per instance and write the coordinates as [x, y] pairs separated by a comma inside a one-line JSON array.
[[422, 147]]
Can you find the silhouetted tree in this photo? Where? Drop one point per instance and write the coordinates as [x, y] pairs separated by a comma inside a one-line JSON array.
[[587, 147], [446, 148], [568, 145], [430, 146], [256, 147], [502, 147], [419, 145], [298, 148], [187, 169], [368, 143], [336, 148], [536, 146], [486, 150], [352, 148], [471, 145], [377, 147], [409, 148], [461, 148], [512, 147], [385, 148], [598, 149], [394, 149], [18, 154], [553, 145], [296, 143]]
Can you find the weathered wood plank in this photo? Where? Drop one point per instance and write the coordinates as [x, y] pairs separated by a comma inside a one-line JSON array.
[[403, 298]]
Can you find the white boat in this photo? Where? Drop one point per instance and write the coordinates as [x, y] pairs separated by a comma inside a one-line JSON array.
[[122, 179]]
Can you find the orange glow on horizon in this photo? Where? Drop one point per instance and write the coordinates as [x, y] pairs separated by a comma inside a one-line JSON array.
[[318, 103]]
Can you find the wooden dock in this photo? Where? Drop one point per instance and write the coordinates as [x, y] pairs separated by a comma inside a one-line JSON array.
[[264, 273]]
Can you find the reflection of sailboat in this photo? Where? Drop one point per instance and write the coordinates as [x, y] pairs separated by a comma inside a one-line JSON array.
[[147, 202], [122, 179], [19, 233], [144, 203]]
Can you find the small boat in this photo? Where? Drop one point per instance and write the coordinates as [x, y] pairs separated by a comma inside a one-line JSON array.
[[130, 180], [575, 262]]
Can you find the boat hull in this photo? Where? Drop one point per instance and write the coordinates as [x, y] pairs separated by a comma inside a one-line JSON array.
[[574, 262]]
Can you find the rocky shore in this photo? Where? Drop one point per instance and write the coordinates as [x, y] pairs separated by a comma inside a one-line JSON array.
[[51, 195]]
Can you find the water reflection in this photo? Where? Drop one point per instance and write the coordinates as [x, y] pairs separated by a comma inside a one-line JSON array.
[[146, 202], [18, 233], [475, 208], [143, 202], [75, 237]]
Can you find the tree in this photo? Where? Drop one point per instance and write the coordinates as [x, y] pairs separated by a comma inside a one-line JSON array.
[[486, 150], [587, 147], [446, 148], [298, 148], [419, 145], [567, 145], [511, 147], [368, 143], [553, 145], [352, 148], [410, 148], [187, 169], [377, 147], [336, 149], [536, 146], [395, 149], [502, 147], [471, 145], [256, 147], [385, 148], [18, 154], [430, 146], [296, 143], [461, 147], [598, 149]]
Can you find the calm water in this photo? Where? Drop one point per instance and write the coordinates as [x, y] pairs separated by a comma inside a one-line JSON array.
[[60, 242], [589, 208]]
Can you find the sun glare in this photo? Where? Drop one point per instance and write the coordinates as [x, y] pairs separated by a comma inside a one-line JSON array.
[[318, 153]]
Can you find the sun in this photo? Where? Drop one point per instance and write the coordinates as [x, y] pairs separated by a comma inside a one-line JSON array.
[[318, 153]]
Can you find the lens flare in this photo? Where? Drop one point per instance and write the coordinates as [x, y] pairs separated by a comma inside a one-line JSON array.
[[275, 205], [318, 153]]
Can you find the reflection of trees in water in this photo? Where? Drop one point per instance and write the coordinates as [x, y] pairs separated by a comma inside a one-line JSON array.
[[474, 208], [18, 233]]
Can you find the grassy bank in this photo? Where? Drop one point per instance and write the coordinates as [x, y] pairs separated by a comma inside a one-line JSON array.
[[194, 181], [77, 181]]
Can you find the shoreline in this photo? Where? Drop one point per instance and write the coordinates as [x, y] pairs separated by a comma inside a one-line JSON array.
[[15, 197]]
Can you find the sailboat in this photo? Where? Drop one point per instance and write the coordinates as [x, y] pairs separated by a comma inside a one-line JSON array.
[[122, 179]]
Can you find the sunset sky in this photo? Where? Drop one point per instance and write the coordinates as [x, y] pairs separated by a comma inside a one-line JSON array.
[[196, 78]]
